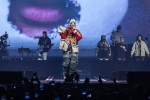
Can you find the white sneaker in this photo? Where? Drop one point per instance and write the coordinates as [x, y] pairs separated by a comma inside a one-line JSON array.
[[49, 78]]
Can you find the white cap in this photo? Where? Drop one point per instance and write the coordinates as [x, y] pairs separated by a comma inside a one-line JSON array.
[[72, 20]]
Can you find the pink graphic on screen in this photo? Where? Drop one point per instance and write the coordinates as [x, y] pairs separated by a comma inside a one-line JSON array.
[[33, 16]]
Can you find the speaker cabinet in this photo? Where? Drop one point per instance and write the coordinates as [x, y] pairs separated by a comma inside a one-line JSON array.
[[10, 77], [139, 78]]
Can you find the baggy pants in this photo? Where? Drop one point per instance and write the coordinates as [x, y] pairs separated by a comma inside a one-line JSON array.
[[70, 61]]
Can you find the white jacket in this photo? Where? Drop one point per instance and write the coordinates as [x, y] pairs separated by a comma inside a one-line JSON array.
[[64, 46], [64, 43], [136, 50]]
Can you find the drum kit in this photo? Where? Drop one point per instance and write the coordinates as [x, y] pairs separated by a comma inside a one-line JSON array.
[[4, 52]]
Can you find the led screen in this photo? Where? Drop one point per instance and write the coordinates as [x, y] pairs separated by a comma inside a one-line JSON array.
[[25, 20]]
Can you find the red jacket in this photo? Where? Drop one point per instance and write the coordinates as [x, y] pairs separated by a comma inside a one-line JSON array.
[[75, 32]]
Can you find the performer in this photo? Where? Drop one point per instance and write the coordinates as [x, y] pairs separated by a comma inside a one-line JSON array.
[[70, 36], [121, 50], [139, 49], [44, 45], [3, 46], [104, 50], [115, 36]]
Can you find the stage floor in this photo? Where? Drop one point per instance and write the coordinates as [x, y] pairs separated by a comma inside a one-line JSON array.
[[81, 81], [89, 67]]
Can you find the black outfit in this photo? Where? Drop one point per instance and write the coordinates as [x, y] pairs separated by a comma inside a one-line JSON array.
[[121, 53], [45, 42], [103, 49], [3, 49]]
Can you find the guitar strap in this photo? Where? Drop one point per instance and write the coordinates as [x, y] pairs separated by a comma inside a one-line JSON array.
[[45, 41]]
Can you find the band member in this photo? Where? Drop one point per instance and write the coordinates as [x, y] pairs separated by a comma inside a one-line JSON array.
[[44, 45], [139, 49], [115, 36], [70, 36], [121, 50], [3, 46], [104, 50]]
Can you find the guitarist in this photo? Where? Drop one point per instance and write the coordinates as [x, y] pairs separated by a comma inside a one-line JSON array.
[[70, 37], [44, 44]]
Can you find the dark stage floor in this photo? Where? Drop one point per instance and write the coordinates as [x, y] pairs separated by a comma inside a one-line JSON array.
[[88, 67]]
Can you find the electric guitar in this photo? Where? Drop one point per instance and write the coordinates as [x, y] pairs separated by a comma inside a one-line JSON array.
[[42, 48]]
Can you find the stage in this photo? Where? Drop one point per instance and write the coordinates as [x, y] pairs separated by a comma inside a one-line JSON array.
[[89, 66]]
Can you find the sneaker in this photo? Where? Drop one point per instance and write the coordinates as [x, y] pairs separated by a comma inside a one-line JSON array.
[[49, 79]]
